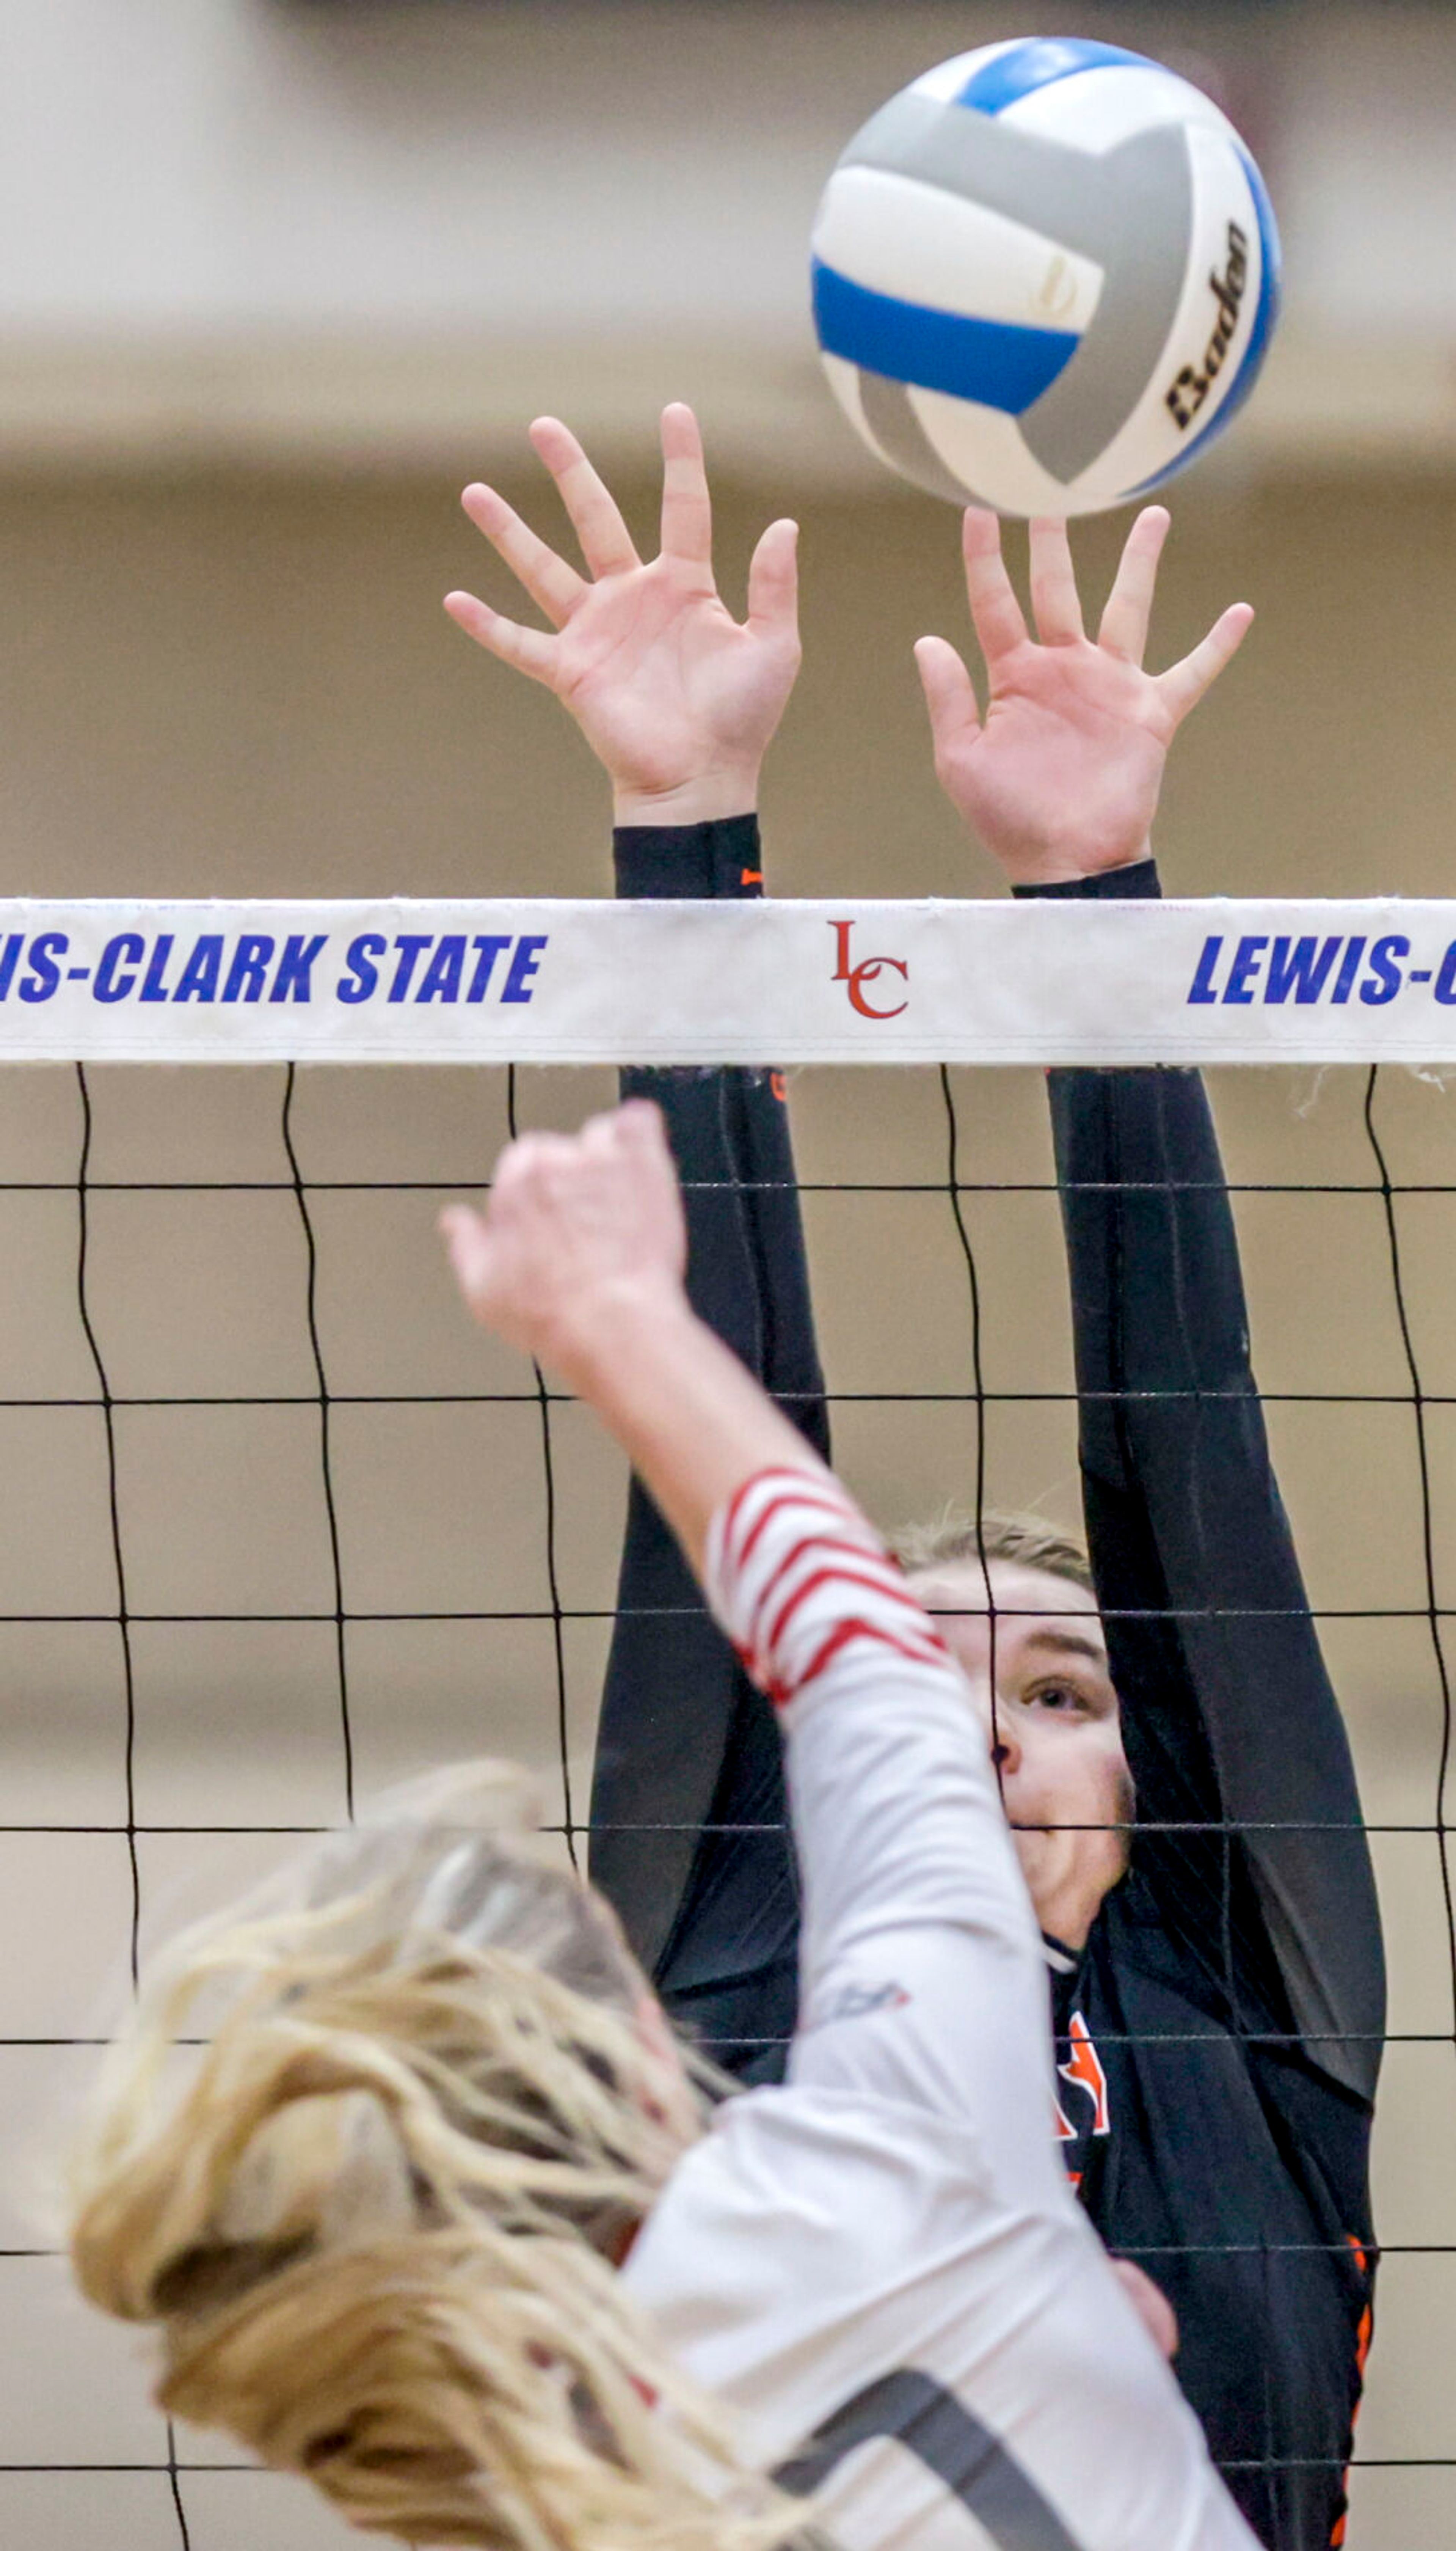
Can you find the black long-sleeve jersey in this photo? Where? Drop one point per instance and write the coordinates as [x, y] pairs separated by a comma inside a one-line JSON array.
[[1218, 2037]]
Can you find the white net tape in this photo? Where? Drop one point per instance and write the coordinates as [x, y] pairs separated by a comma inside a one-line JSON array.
[[404, 980]]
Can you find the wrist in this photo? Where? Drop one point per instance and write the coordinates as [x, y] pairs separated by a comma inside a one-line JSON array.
[[1137, 884], [713, 797], [617, 1333], [1068, 862]]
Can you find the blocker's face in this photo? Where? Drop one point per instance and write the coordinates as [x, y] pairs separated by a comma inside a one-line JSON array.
[[1055, 1733]]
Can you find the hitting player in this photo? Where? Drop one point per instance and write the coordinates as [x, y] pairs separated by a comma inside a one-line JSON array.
[[437, 2220], [1218, 1987]]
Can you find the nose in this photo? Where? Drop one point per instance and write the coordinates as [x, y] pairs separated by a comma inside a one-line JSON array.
[[1005, 1748]]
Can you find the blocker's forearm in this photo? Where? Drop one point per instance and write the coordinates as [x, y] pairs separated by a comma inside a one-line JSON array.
[[690, 1825], [693, 1423]]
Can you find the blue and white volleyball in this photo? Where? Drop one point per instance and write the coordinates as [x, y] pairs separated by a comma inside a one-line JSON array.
[[1045, 277]]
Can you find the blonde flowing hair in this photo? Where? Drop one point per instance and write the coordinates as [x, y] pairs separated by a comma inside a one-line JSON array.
[[375, 2223]]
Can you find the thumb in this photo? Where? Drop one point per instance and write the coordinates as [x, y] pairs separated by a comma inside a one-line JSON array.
[[640, 1124], [773, 584], [469, 1248], [950, 694], [1184, 684]]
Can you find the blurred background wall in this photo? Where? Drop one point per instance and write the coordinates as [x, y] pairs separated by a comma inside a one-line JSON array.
[[276, 276], [377, 231]]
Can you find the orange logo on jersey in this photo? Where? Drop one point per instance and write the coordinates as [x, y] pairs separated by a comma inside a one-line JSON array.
[[1083, 2068], [1366, 2331], [1362, 2337]]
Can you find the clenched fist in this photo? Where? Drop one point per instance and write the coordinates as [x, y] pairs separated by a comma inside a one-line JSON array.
[[578, 1230]]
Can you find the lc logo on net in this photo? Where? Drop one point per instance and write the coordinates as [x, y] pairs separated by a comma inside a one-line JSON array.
[[861, 978]]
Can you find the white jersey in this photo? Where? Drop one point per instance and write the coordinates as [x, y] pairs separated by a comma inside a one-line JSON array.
[[880, 2265]]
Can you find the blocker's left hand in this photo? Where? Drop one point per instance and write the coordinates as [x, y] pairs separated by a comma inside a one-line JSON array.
[[578, 1228], [1061, 779], [678, 700]]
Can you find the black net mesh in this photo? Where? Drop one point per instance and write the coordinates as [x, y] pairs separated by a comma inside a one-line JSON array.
[[322, 1533]]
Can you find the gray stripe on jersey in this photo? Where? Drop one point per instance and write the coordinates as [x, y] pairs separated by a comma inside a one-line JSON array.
[[917, 2413]]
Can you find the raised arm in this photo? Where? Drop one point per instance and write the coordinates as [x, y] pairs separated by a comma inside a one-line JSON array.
[[1230, 1721], [922, 1969], [688, 1824]]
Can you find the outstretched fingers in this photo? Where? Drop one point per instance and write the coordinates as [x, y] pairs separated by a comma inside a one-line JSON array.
[[687, 508], [606, 542], [1054, 597], [1184, 684], [529, 650], [995, 610], [950, 695], [1125, 622], [553, 587]]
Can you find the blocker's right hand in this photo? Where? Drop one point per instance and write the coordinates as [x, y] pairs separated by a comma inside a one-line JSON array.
[[579, 1229], [677, 700], [1061, 779]]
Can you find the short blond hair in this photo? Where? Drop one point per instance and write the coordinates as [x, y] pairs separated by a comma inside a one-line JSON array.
[[957, 1540], [376, 2225]]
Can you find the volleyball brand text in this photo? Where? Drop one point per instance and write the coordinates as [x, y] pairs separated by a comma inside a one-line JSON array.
[[1190, 386]]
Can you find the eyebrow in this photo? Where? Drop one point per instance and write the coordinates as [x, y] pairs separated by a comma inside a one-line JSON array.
[[1066, 1643]]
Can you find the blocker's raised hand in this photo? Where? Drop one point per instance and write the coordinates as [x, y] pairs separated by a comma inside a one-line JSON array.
[[676, 698], [576, 1227], [1061, 779]]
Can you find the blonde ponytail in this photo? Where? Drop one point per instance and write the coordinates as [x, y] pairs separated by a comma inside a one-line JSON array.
[[376, 2224]]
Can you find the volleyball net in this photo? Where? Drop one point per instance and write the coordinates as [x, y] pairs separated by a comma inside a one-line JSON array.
[[280, 1525]]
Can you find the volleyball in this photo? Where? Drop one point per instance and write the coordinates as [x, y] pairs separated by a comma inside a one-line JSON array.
[[1045, 277]]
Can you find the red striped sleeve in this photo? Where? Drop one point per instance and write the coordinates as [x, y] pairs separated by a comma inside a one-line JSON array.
[[920, 1651], [797, 1577], [802, 1502], [858, 1551], [805, 1483], [833, 1573]]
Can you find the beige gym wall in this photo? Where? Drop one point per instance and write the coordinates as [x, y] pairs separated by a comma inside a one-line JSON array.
[[274, 275], [246, 684]]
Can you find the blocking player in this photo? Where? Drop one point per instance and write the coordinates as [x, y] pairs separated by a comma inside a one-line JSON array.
[[1217, 1977], [437, 2220]]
